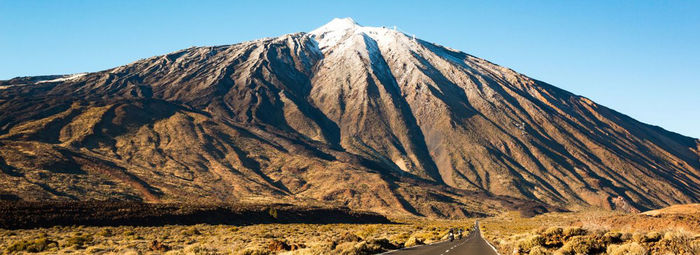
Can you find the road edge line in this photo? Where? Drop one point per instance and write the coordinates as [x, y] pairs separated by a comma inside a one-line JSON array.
[[494, 248], [476, 226]]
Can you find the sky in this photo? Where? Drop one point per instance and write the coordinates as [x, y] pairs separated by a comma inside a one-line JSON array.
[[641, 58]]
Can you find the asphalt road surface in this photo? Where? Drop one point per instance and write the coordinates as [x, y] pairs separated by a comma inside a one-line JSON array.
[[470, 244]]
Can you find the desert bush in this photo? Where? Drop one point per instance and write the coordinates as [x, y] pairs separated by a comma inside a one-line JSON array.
[[367, 231], [201, 250], [106, 232], [278, 245], [553, 231], [626, 236], [612, 237], [345, 247], [526, 244], [430, 234], [255, 251], [158, 246], [695, 245], [78, 240], [345, 238], [676, 242], [273, 213], [413, 241], [37, 245], [382, 243], [401, 238], [651, 237], [192, 231], [361, 248], [573, 231], [670, 235], [95, 250], [632, 248], [553, 237], [637, 237], [581, 245], [538, 250]]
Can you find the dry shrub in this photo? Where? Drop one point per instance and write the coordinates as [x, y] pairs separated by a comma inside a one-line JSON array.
[[37, 245], [95, 250], [201, 250], [255, 251], [78, 241], [273, 213], [348, 237], [106, 232], [430, 235], [342, 247], [678, 242], [367, 231], [383, 244], [612, 237], [278, 245], [553, 231], [538, 250], [362, 248], [554, 237], [413, 241], [632, 248], [526, 244], [401, 238], [652, 237], [192, 231], [695, 245], [129, 233], [158, 246], [573, 231], [637, 237], [581, 245]]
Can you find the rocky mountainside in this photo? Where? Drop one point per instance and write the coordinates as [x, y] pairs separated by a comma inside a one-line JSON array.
[[366, 117]]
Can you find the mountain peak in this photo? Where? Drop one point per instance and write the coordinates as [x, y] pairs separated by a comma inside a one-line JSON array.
[[337, 24], [339, 30]]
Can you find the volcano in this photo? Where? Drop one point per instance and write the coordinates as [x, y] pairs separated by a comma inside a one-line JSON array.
[[365, 117]]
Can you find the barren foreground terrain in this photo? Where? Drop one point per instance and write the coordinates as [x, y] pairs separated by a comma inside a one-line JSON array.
[[227, 239], [595, 232], [589, 232]]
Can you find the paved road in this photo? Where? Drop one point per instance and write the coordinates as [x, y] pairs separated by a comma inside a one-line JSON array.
[[471, 244]]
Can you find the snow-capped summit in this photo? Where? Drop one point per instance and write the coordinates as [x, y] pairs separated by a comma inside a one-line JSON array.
[[337, 24], [333, 32], [341, 30]]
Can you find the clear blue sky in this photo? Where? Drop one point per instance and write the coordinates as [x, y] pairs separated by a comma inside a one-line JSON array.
[[641, 58]]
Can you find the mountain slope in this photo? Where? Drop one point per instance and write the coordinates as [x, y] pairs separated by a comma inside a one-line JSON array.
[[362, 116]]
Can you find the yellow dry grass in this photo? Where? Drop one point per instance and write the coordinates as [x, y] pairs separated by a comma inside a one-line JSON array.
[[593, 232], [226, 239]]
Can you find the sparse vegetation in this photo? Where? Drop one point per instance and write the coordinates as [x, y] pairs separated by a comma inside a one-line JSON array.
[[35, 245], [553, 233], [261, 239], [595, 232]]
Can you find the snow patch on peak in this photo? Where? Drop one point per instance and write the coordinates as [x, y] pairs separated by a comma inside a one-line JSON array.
[[339, 30], [330, 34], [337, 24]]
